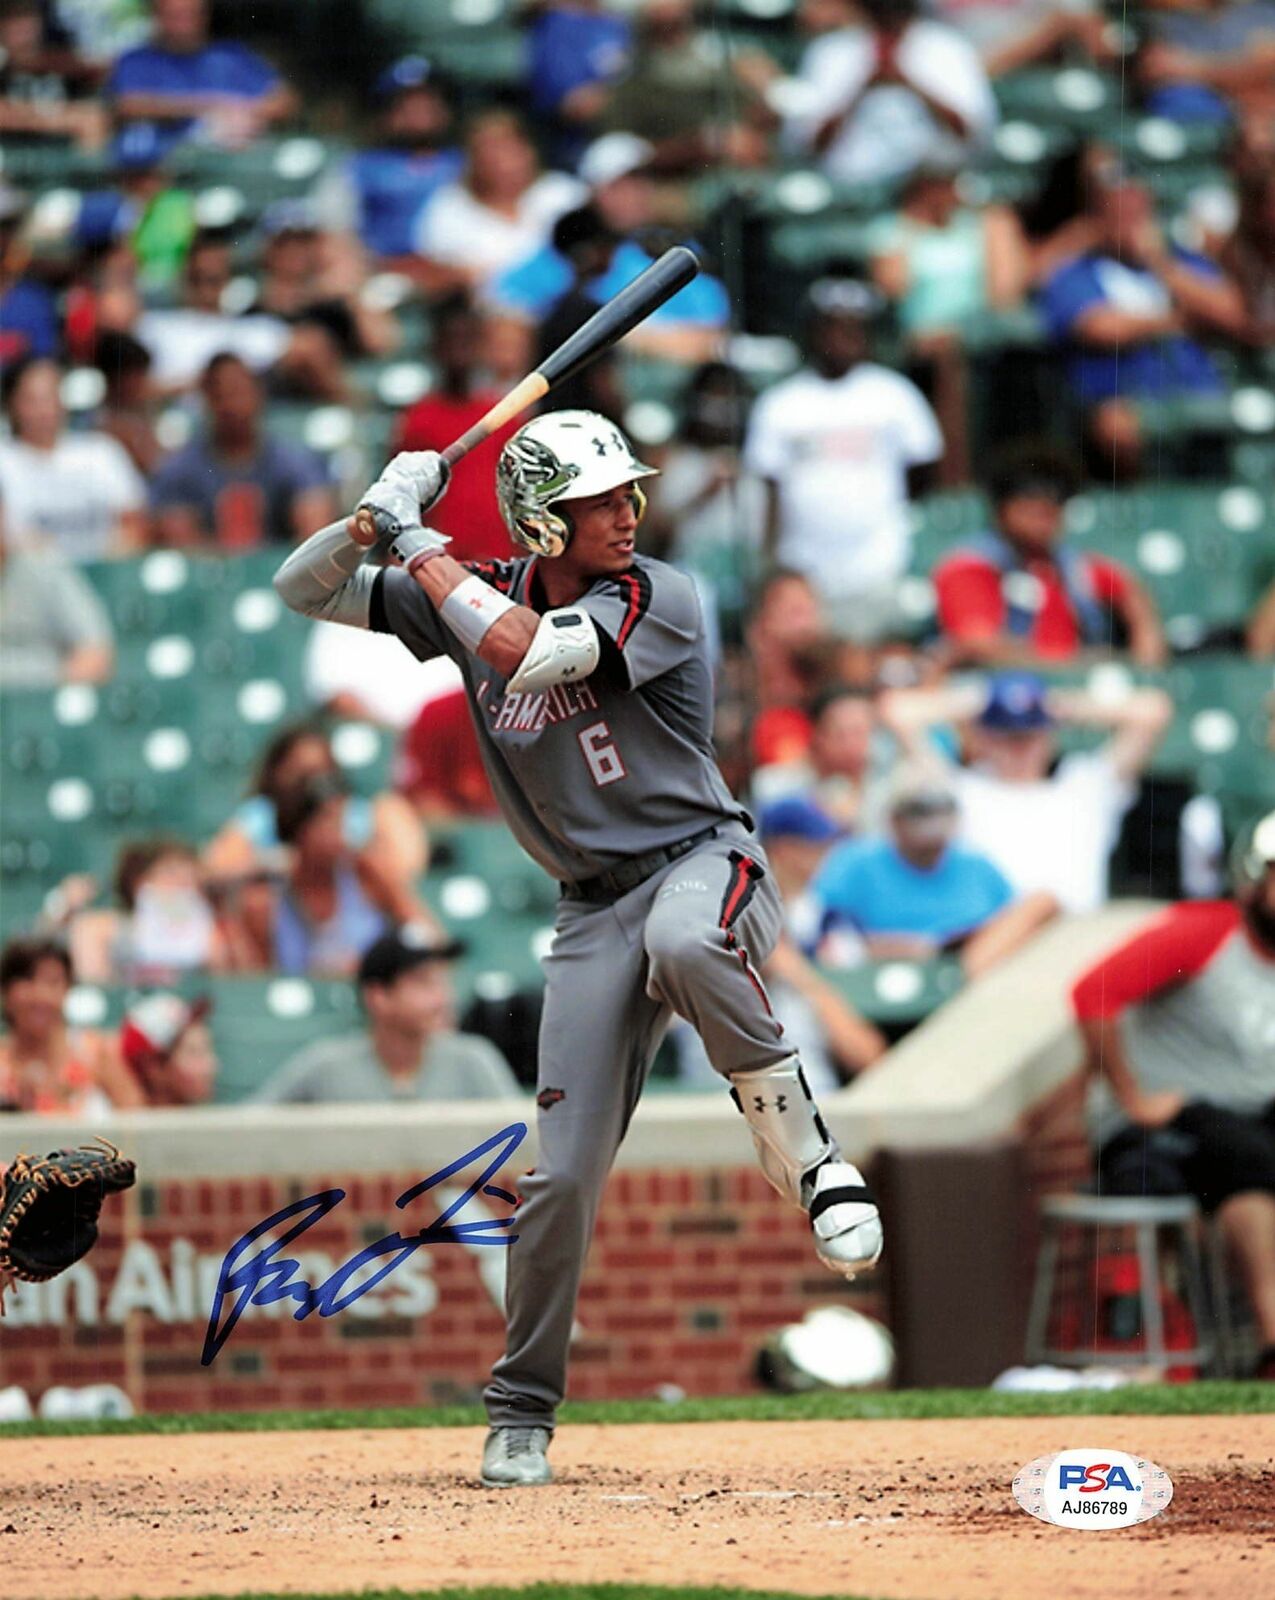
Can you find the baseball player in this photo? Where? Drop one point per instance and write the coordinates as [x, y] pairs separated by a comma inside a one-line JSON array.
[[588, 680]]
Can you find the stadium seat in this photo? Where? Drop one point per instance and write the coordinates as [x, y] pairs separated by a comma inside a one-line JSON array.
[[897, 994], [1223, 730]]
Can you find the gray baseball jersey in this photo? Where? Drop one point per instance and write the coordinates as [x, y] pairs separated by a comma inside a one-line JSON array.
[[611, 766]]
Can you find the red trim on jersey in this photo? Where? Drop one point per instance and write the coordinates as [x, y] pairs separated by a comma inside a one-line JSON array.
[[1175, 948], [499, 574], [639, 590]]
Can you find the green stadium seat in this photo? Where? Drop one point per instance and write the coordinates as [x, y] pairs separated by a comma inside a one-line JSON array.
[[897, 993], [258, 1023], [1204, 550], [1222, 732], [942, 521], [1077, 98]]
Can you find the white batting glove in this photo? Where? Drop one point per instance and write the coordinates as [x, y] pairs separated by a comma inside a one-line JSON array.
[[413, 481]]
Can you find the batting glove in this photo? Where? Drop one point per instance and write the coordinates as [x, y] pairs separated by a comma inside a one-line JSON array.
[[413, 481]]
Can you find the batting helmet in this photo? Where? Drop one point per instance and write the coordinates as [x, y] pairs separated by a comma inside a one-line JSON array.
[[564, 455]]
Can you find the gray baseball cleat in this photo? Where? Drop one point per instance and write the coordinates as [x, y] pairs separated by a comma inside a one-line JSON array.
[[843, 1218], [516, 1456]]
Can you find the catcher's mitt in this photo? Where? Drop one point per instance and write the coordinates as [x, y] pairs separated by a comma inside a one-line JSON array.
[[49, 1209]]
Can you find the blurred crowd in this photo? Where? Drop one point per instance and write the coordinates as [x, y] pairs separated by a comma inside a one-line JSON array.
[[164, 354]]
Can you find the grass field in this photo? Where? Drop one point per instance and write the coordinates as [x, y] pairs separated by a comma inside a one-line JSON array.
[[912, 1405]]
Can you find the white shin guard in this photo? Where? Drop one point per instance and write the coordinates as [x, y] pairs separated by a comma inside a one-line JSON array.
[[784, 1121]]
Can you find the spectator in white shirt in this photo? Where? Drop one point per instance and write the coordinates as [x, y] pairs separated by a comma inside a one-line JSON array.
[[53, 628], [836, 443], [79, 490], [1012, 34], [500, 212], [1049, 824], [183, 339], [887, 91]]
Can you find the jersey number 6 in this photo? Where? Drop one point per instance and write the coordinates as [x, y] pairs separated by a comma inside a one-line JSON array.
[[603, 758]]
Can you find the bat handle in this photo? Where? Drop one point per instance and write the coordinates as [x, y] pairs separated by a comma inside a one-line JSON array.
[[373, 524]]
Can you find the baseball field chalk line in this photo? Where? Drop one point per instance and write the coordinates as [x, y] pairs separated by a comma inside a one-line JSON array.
[[734, 1494]]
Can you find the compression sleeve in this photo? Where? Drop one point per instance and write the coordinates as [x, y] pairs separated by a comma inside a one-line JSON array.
[[326, 578]]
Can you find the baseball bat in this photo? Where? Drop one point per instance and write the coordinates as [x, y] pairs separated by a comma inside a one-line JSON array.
[[634, 303]]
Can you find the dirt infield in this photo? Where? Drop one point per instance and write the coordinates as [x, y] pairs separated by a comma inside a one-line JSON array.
[[908, 1510]]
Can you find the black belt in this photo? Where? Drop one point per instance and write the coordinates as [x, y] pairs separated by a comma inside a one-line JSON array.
[[609, 886]]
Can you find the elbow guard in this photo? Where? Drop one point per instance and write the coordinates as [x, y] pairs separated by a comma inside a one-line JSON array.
[[564, 646]]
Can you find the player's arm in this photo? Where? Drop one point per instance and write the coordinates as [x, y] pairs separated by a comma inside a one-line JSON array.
[[326, 578]]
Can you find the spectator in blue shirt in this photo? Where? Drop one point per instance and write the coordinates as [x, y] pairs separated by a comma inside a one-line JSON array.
[[1129, 315], [28, 315], [918, 893], [236, 487], [380, 191], [190, 83], [575, 49]]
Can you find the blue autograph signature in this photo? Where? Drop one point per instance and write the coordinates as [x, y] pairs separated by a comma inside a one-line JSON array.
[[265, 1277]]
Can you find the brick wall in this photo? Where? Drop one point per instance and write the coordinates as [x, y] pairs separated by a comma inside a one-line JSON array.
[[688, 1273]]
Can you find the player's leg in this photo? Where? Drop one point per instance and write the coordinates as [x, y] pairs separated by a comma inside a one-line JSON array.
[[714, 918], [597, 1036]]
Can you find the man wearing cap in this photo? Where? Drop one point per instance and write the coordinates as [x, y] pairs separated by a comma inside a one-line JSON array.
[[1049, 824], [1018, 595], [622, 207], [1179, 1027], [167, 1046], [379, 193], [144, 206], [409, 1048], [918, 892], [836, 445]]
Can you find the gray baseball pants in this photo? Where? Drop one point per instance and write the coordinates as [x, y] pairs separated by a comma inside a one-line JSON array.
[[688, 940]]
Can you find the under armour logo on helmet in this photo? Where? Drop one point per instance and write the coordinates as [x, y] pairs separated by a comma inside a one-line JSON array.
[[602, 445], [780, 1102]]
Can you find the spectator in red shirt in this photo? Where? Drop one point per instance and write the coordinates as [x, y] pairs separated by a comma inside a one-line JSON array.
[[469, 513], [439, 767], [788, 645], [1018, 595], [1179, 1025]]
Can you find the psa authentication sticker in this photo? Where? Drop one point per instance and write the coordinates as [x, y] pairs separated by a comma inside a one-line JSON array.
[[1092, 1489]]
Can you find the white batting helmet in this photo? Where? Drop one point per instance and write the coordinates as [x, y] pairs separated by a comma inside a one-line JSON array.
[[564, 455]]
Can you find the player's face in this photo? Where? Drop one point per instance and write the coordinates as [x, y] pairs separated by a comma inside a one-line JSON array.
[[604, 530]]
